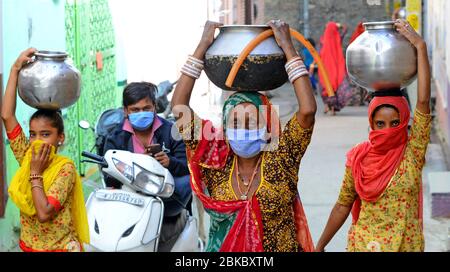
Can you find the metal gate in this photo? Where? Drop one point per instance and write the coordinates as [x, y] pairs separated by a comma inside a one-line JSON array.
[[90, 41]]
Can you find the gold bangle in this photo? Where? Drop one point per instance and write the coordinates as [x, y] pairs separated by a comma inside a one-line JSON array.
[[37, 186], [36, 178]]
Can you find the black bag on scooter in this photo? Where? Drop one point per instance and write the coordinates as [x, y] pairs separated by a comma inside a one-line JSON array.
[[105, 125]]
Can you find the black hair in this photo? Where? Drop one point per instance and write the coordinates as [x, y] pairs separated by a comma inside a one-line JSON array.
[[54, 116], [396, 92], [384, 106], [135, 92], [312, 42]]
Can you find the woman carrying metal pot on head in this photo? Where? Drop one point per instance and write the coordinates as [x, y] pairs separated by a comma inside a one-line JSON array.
[[47, 188], [382, 183], [246, 182], [331, 53]]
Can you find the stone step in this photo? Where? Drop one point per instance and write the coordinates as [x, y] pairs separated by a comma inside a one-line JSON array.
[[440, 193]]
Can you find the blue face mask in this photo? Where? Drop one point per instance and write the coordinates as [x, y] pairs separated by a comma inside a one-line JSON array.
[[246, 143], [141, 120]]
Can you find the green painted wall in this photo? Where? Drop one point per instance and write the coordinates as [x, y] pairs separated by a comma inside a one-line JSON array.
[[26, 23]]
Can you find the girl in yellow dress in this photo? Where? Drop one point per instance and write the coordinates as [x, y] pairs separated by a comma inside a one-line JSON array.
[[46, 188]]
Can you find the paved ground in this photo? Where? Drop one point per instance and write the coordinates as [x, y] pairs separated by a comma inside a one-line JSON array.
[[437, 230], [322, 169], [323, 164]]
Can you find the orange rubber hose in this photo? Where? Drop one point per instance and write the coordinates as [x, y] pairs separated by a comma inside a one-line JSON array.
[[244, 54], [266, 34]]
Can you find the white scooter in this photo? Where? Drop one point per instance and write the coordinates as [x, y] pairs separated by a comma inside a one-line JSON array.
[[130, 219]]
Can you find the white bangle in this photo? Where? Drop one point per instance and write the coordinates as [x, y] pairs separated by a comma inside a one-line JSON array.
[[194, 76], [297, 74], [295, 66], [193, 67], [194, 59], [295, 59], [191, 72], [292, 64], [297, 71], [195, 64]]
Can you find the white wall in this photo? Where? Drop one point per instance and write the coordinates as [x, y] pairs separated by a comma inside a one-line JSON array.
[[157, 37], [30, 23], [439, 41], [447, 35], [156, 34]]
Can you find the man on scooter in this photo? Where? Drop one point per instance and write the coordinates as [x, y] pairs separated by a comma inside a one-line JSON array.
[[144, 132]]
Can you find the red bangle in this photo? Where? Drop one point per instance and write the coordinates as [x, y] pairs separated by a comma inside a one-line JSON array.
[[14, 133]]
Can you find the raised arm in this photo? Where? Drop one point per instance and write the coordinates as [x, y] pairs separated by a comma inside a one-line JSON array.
[[9, 100], [303, 89], [185, 85], [423, 65]]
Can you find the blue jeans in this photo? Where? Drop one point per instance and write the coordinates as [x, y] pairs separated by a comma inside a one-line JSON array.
[[180, 198], [313, 80]]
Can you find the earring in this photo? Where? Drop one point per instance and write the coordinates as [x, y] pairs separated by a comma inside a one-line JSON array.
[[59, 143]]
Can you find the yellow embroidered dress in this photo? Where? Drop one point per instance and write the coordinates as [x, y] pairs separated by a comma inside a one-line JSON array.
[[59, 233], [392, 223]]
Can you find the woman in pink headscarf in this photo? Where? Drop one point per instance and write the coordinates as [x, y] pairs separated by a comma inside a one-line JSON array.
[[332, 55], [382, 183]]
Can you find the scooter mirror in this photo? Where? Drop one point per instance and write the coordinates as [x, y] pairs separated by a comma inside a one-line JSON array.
[[84, 124]]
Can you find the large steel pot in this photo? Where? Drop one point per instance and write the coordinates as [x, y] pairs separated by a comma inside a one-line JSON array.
[[263, 69], [50, 82], [381, 58]]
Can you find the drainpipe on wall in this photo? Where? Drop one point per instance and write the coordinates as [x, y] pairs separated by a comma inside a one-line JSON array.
[[414, 16], [248, 12], [3, 195], [306, 18]]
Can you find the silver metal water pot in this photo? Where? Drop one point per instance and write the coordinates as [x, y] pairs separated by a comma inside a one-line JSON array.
[[49, 82], [381, 58]]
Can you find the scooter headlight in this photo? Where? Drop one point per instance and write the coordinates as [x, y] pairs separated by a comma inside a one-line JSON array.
[[147, 181], [167, 190], [124, 169], [140, 178]]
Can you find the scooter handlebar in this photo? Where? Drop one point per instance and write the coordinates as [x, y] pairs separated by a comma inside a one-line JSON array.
[[92, 156]]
